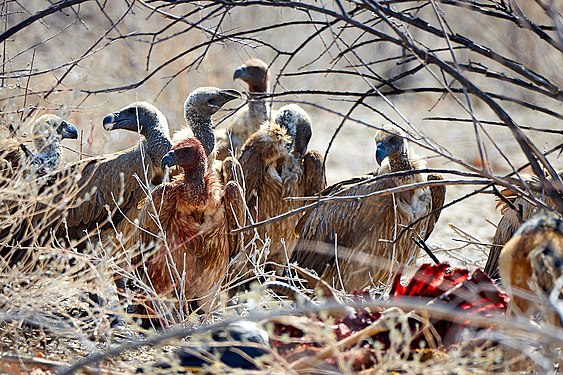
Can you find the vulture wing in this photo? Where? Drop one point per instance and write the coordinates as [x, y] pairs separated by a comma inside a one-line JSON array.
[[438, 198], [313, 170], [349, 219], [236, 215]]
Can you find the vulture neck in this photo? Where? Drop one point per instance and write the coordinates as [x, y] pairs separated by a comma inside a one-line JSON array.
[[48, 153], [400, 161], [202, 127], [257, 107], [157, 140], [194, 187]]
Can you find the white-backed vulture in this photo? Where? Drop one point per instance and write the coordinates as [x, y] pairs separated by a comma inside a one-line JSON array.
[[47, 132], [200, 105], [512, 217], [361, 231], [195, 214], [276, 165], [248, 119], [532, 261], [86, 187]]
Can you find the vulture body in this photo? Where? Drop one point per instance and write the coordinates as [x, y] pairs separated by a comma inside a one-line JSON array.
[[86, 187], [15, 158], [510, 221], [47, 132], [195, 214], [349, 242], [247, 120], [276, 165], [532, 261]]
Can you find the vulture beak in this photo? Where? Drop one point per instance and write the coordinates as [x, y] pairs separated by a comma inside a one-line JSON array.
[[230, 94], [68, 130], [111, 121], [381, 152], [168, 160], [241, 72]]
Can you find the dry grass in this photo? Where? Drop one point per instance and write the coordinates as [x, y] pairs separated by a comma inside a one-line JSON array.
[[47, 319]]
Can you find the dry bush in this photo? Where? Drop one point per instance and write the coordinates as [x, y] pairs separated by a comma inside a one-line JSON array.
[[477, 86]]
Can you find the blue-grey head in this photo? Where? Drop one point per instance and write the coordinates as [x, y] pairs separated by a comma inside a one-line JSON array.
[[139, 116], [389, 142]]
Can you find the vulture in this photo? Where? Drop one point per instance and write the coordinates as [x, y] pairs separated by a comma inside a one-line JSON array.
[[532, 261], [248, 119], [184, 238], [352, 243], [200, 105], [276, 165], [47, 132], [86, 187], [512, 216]]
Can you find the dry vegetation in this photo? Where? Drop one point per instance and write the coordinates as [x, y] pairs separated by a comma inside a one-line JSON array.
[[477, 84]]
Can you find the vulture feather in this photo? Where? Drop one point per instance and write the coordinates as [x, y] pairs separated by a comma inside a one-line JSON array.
[[532, 261], [276, 165], [86, 187], [47, 132], [15, 157], [513, 216], [247, 120], [195, 215], [349, 243]]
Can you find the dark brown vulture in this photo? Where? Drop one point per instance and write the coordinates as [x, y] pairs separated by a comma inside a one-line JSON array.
[[361, 231], [186, 251], [532, 261], [510, 221], [86, 187], [47, 133], [200, 105], [248, 119], [276, 164]]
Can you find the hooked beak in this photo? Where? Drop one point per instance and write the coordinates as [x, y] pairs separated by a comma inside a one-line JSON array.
[[69, 131], [112, 121], [168, 160], [240, 72], [381, 152], [230, 94]]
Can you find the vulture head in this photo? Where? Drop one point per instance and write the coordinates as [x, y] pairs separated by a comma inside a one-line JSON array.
[[201, 104], [139, 116], [256, 74], [188, 154], [48, 131], [49, 127], [298, 125], [390, 142]]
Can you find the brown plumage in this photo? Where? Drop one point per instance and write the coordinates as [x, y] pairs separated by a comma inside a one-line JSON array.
[[16, 159], [512, 217], [248, 119], [364, 228], [85, 188], [276, 164], [195, 214], [532, 261], [47, 133]]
